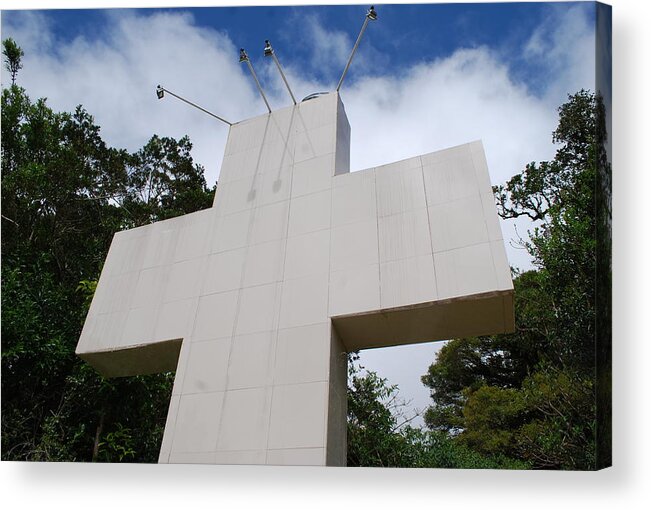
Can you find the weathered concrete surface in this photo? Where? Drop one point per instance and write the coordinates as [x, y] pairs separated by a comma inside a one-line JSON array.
[[257, 300]]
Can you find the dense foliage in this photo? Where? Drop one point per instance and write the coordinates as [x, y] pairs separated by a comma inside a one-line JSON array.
[[531, 395], [380, 433], [64, 194]]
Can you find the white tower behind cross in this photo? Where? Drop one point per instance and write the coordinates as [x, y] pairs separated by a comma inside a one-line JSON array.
[[255, 301]]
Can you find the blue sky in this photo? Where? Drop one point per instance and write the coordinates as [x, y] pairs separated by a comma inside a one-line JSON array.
[[512, 59], [406, 34], [426, 77]]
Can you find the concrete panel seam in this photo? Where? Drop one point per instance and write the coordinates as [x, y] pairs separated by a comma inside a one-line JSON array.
[[429, 226], [282, 286], [377, 227], [239, 292]]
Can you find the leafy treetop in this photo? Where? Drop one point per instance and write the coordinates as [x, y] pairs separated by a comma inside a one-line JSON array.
[[13, 57]]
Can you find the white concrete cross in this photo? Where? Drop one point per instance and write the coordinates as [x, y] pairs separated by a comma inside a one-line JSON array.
[[255, 301]]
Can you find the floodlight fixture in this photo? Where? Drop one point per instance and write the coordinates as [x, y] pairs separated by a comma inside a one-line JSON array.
[[245, 58], [371, 15], [160, 92], [269, 52]]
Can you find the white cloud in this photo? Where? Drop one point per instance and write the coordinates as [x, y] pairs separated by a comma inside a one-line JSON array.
[[330, 48], [468, 95], [115, 79], [563, 48]]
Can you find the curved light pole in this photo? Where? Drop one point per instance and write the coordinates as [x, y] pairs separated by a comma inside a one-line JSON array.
[[245, 58], [269, 52], [371, 15], [160, 92]]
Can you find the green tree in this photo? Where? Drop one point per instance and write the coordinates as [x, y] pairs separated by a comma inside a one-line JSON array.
[[13, 57], [65, 193], [502, 361], [531, 395], [163, 182], [380, 433]]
